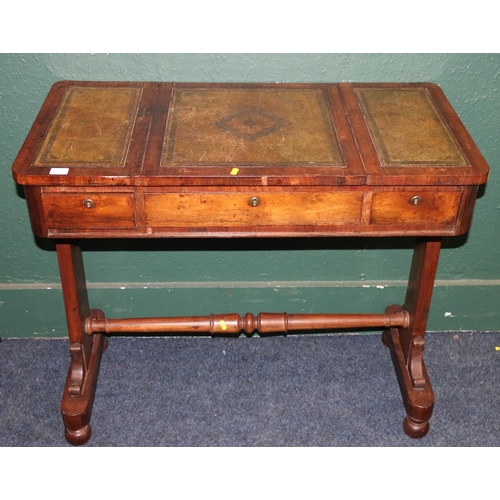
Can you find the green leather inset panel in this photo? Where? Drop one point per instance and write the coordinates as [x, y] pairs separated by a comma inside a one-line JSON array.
[[407, 129], [92, 127], [259, 127]]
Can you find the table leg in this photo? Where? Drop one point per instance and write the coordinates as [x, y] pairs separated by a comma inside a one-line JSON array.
[[85, 350], [407, 344]]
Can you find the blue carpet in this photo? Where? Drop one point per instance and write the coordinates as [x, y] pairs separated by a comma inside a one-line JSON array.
[[301, 391]]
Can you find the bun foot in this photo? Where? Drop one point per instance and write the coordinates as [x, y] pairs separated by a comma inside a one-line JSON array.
[[79, 436], [414, 429]]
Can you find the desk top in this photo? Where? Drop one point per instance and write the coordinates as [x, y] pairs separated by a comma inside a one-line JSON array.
[[199, 134]]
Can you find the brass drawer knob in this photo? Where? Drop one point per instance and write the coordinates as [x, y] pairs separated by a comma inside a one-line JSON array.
[[415, 200], [88, 203], [254, 201]]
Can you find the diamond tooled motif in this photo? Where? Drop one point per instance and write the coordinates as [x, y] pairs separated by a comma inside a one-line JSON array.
[[251, 123]]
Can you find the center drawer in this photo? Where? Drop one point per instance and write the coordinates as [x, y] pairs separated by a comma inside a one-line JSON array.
[[252, 208]]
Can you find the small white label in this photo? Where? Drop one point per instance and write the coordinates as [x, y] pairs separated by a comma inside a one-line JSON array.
[[59, 171]]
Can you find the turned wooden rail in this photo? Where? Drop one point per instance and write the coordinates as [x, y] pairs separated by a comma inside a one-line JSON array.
[[233, 323]]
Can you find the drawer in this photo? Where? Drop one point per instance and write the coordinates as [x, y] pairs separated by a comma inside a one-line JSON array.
[[89, 211], [252, 208], [415, 207]]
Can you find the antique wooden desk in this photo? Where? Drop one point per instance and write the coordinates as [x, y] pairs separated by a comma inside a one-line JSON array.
[[169, 160]]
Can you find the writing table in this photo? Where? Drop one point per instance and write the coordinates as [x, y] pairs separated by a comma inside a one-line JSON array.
[[171, 160]]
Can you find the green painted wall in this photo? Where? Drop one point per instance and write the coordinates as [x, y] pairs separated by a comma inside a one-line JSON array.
[[164, 277]]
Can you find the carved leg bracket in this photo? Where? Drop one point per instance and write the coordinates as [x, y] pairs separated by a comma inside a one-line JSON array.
[[418, 397], [77, 401], [77, 370]]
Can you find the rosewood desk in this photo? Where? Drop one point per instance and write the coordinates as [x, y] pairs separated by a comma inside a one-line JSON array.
[[171, 160]]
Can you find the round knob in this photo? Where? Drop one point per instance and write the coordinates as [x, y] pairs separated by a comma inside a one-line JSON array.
[[88, 203], [415, 200], [254, 201]]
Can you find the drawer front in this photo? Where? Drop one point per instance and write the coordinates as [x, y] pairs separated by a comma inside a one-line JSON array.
[[252, 208], [89, 211], [415, 207]]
